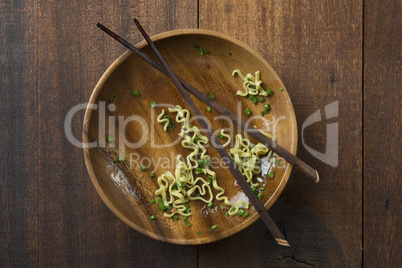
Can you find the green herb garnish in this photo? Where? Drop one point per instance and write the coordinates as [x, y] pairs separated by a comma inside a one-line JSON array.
[[135, 92], [152, 174], [109, 139], [269, 92], [209, 179], [261, 99], [210, 204], [143, 167], [259, 195], [247, 111], [230, 53], [213, 97], [277, 162], [152, 104], [271, 174], [255, 190], [208, 109], [213, 227], [152, 217], [198, 233], [113, 98], [203, 162], [198, 170], [281, 89], [152, 201], [240, 213], [262, 189], [253, 99], [120, 159]]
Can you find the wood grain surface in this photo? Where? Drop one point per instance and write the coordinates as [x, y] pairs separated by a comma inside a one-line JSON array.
[[52, 55], [382, 130]]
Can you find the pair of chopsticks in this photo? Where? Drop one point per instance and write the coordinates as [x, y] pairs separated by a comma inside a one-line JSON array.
[[180, 84]]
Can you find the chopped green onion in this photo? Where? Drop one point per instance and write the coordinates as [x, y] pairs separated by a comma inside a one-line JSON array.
[[197, 195], [269, 92], [152, 201], [213, 227], [152, 217], [266, 107], [176, 217], [152, 174], [168, 207], [277, 162], [259, 195], [109, 139], [262, 189], [211, 205], [251, 145], [271, 174], [240, 213], [188, 93], [230, 53], [185, 220], [190, 126], [213, 97], [171, 125], [222, 206], [205, 51], [254, 189], [209, 179], [174, 187], [186, 206], [281, 89], [113, 98], [152, 104], [198, 170], [261, 99], [196, 139], [227, 214], [252, 86], [135, 92], [198, 233], [208, 109], [246, 215], [253, 99], [220, 136], [161, 204], [121, 159], [247, 111], [143, 167], [231, 209], [273, 155], [263, 113], [179, 184], [203, 162]]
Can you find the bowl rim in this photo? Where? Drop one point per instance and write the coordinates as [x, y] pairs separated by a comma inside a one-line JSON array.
[[87, 158]]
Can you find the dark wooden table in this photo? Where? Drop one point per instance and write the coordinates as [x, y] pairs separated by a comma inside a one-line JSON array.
[[343, 51]]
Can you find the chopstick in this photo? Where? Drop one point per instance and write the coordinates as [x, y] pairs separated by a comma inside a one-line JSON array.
[[272, 145], [225, 156]]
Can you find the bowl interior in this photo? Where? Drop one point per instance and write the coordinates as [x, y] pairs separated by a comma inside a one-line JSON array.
[[141, 140]]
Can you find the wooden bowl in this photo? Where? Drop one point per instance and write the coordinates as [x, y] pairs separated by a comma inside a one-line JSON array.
[[128, 195]]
